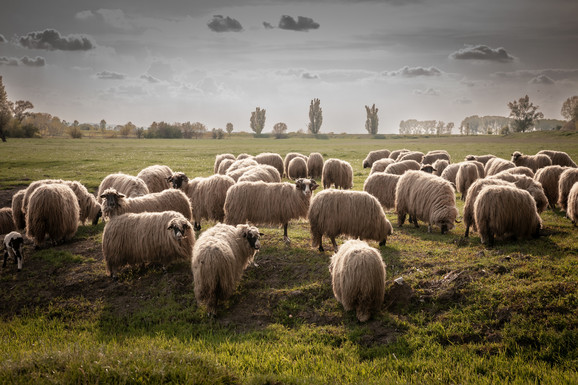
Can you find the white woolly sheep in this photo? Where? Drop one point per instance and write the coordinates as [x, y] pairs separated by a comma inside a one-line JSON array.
[[426, 197], [224, 166], [559, 158], [382, 186], [450, 173], [534, 162], [548, 178], [466, 175], [17, 213], [6, 220], [243, 155], [315, 165], [260, 172], [572, 205], [129, 185], [439, 166], [156, 177], [395, 154], [268, 203], [473, 192], [412, 155], [220, 256], [13, 242], [136, 239], [380, 165], [240, 164], [496, 165], [374, 156], [505, 211], [338, 173], [526, 183], [480, 158], [358, 278], [346, 212], [521, 170], [288, 157], [219, 158], [297, 168], [565, 183], [399, 168], [434, 155], [271, 159]]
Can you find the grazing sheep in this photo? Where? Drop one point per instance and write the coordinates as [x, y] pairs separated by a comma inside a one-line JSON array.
[[521, 170], [52, 209], [289, 157], [505, 211], [565, 183], [466, 175], [13, 242], [380, 165], [338, 173], [396, 153], [156, 177], [224, 166], [480, 158], [115, 203], [549, 177], [534, 162], [268, 203], [451, 172], [315, 165], [261, 172], [572, 205], [243, 155], [219, 158], [6, 220], [412, 155], [439, 166], [559, 158], [32, 187], [434, 155], [140, 238], [129, 185], [220, 256], [382, 186], [480, 166], [17, 213], [473, 192], [239, 164], [297, 168], [399, 168], [352, 213], [427, 168], [271, 159], [374, 156], [526, 183], [496, 165], [426, 197], [358, 278], [206, 195]]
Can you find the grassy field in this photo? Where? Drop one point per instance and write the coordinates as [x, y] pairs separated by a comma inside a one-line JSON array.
[[467, 314]]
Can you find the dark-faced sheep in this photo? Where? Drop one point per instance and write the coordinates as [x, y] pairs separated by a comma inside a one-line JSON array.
[[439, 166], [156, 177], [412, 155], [534, 162], [13, 242], [297, 168], [480, 158], [426, 197], [526, 183], [548, 178], [261, 172], [380, 165], [559, 158], [17, 213], [496, 165], [395, 154], [315, 165], [467, 174], [115, 203], [399, 168], [6, 220], [337, 173], [288, 157], [219, 158], [129, 185], [382, 186], [346, 212], [271, 159], [220, 256], [374, 156], [434, 155], [565, 183], [358, 278], [136, 239], [270, 204], [572, 205], [505, 211], [473, 192]]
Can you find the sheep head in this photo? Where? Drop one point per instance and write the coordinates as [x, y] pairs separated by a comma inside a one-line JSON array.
[[111, 199], [306, 185], [428, 168], [252, 234], [177, 179], [516, 155], [179, 226]]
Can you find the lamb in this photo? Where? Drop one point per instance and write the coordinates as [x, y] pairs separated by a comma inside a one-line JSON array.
[[526, 183], [352, 213], [505, 211], [480, 158], [374, 156], [115, 203], [439, 166], [434, 155], [565, 183], [271, 159], [358, 278], [572, 206], [6, 220], [288, 157], [13, 242], [496, 165], [140, 238], [395, 154], [52, 209], [268, 203], [559, 158], [426, 197], [129, 185], [207, 195], [399, 168], [413, 155], [549, 177], [315, 165], [156, 177], [261, 172], [533, 162], [467, 174], [297, 168], [219, 158], [17, 213], [338, 173], [220, 256], [473, 192], [380, 165], [382, 186], [224, 166]]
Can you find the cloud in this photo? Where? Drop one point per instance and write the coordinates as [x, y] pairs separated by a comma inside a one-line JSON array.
[[412, 72], [8, 61], [51, 40], [149, 78], [12, 61], [541, 79], [108, 75], [427, 92], [309, 76], [265, 24], [115, 18], [2, 39], [302, 23], [462, 101], [224, 24], [555, 74], [482, 52]]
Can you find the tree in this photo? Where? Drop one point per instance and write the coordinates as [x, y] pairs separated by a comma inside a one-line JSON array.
[[5, 111], [523, 114], [372, 121], [279, 130], [570, 108], [229, 128], [102, 126], [315, 116], [258, 120], [127, 129], [20, 108], [199, 130], [218, 133]]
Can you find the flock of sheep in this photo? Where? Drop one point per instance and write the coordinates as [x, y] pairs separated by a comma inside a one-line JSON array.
[[152, 217]]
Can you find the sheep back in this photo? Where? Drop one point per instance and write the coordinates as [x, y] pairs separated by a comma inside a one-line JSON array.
[[473, 192], [496, 165], [559, 158], [548, 178], [572, 205], [466, 175], [17, 213], [382, 186], [129, 185], [565, 183], [439, 166], [6, 220], [399, 168], [374, 156], [338, 173], [534, 162], [261, 172], [117, 204], [395, 154], [207, 196], [219, 158], [380, 165], [288, 157], [434, 155], [297, 168], [156, 177], [526, 183], [412, 155], [224, 166], [271, 159], [480, 158], [315, 165]]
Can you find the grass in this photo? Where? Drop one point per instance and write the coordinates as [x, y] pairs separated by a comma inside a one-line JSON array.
[[467, 314]]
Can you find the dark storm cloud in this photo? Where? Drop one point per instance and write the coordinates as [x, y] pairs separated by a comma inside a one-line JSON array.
[[301, 24], [412, 72], [482, 52], [224, 24], [12, 61], [107, 75], [51, 40]]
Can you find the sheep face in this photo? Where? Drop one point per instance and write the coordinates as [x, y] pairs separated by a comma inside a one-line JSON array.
[[13, 246], [428, 168], [97, 217], [252, 234], [179, 228], [111, 199], [306, 185], [177, 179], [516, 155]]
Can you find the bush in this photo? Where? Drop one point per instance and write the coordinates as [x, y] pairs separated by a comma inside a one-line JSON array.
[[75, 132]]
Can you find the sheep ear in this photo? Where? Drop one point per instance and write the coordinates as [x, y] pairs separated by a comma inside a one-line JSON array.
[[261, 234]]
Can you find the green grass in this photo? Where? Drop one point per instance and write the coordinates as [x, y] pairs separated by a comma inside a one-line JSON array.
[[468, 314]]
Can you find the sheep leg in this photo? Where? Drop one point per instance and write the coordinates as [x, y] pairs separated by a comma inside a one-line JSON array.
[[335, 248], [5, 258], [382, 243], [400, 219], [285, 237], [197, 226], [413, 219], [467, 234], [444, 229]]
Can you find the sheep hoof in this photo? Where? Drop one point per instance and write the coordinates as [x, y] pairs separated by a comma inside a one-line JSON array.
[[286, 240], [382, 243], [321, 249], [197, 227]]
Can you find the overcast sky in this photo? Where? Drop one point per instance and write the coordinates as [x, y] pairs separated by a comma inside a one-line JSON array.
[[215, 61]]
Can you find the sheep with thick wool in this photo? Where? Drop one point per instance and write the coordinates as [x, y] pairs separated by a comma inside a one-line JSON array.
[[271, 159], [358, 278], [480, 158], [534, 162], [219, 158], [548, 178], [6, 220], [559, 158], [288, 157], [526, 183], [434, 155], [315, 165], [565, 183], [17, 213], [346, 212], [337, 173], [450, 173], [428, 198], [439, 166], [220, 256], [496, 165], [207, 195], [380, 165], [241, 164], [260, 172], [244, 155], [224, 166], [572, 205], [129, 185], [374, 156], [271, 204], [156, 177], [466, 175], [52, 210], [297, 168], [382, 186], [506, 211], [150, 237], [399, 168], [521, 170], [395, 154], [473, 192], [412, 155]]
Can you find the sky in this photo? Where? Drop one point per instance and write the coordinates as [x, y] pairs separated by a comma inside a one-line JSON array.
[[215, 61]]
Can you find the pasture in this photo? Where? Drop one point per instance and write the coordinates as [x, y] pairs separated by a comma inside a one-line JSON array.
[[465, 314]]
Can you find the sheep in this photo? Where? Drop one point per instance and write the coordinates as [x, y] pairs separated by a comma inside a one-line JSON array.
[[219, 158], [559, 158], [338, 173], [140, 238], [17, 213], [496, 165], [52, 209], [207, 195], [480, 158], [347, 212], [480, 166], [466, 175], [473, 192], [399, 168], [129, 185], [572, 205], [382, 186], [427, 168], [426, 197], [224, 166], [297, 168], [434, 155], [268, 203], [358, 278], [439, 166], [239, 164], [156, 177], [374, 156], [115, 203], [243, 155], [450, 173], [32, 187], [13, 242], [261, 172], [533, 162], [271, 159], [413, 155], [315, 165], [549, 177], [521, 170], [380, 165], [505, 211], [288, 157], [526, 183], [6, 220], [395, 154], [220, 256], [565, 183]]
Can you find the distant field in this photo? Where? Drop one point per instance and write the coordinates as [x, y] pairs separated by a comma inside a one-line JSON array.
[[468, 314]]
